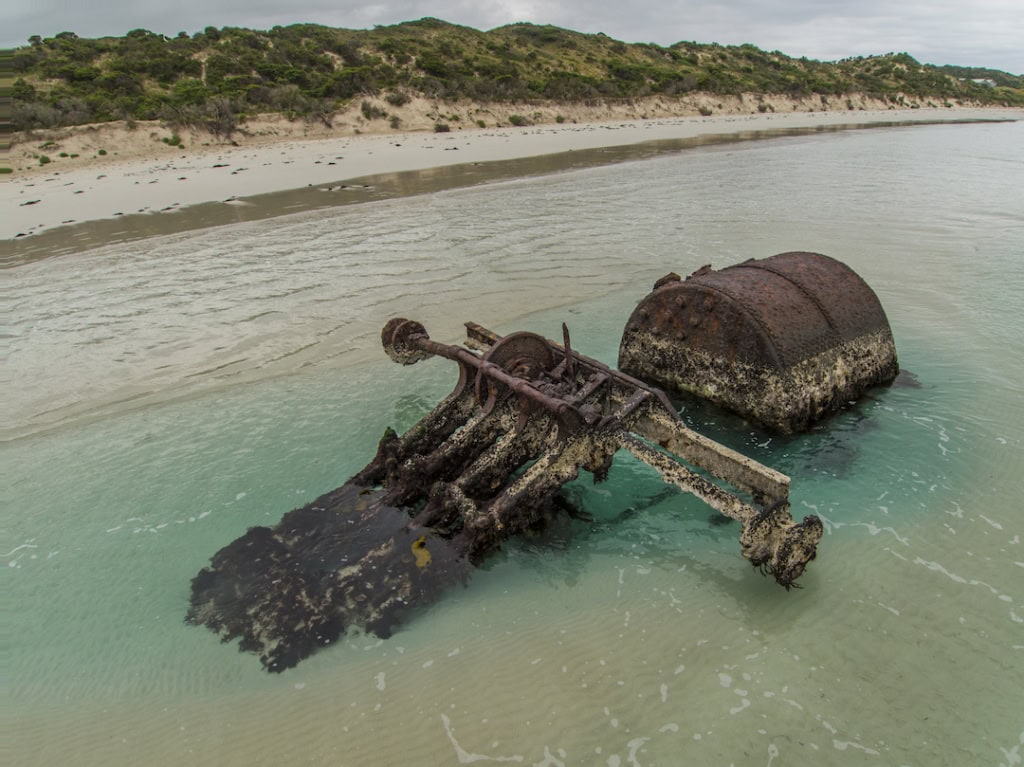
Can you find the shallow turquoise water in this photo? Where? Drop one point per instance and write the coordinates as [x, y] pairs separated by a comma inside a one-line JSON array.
[[168, 394]]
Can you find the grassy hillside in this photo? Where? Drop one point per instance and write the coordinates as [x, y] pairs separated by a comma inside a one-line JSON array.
[[214, 78]]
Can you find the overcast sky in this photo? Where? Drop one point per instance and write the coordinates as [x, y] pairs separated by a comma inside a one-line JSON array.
[[986, 33]]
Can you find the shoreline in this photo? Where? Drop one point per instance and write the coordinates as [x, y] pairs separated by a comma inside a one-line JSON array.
[[170, 180], [361, 265]]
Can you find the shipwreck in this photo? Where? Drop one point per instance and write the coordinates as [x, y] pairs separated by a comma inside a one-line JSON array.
[[784, 341], [489, 462]]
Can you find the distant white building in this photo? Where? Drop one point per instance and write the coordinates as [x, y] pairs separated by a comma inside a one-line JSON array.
[[984, 81]]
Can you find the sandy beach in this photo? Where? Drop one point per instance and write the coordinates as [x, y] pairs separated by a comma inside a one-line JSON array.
[[111, 171]]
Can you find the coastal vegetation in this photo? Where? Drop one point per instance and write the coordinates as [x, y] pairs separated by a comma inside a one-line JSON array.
[[214, 79]]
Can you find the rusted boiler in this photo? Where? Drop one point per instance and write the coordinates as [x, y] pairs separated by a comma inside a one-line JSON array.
[[783, 340]]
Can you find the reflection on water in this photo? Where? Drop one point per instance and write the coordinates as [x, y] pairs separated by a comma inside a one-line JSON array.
[[168, 394]]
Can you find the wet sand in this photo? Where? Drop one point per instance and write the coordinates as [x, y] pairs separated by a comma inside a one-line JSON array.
[[65, 210]]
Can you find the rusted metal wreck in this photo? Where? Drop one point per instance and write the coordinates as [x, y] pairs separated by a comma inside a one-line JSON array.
[[488, 462], [783, 340]]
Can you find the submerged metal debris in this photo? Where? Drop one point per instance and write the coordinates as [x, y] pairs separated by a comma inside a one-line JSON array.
[[783, 340], [487, 463]]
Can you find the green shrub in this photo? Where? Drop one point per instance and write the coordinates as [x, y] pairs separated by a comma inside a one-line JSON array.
[[372, 111], [6, 170], [306, 70], [396, 122], [441, 127], [63, 154], [559, 119], [101, 152], [518, 120], [173, 140], [705, 111], [44, 160], [481, 124]]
